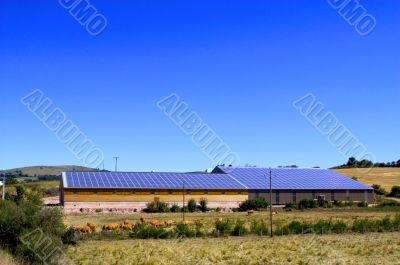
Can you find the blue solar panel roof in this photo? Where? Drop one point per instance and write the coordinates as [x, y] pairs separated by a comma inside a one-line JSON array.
[[222, 178], [149, 180], [291, 178]]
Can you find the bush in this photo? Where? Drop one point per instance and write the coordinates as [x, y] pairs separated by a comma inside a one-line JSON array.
[[389, 204], [192, 205], [290, 206], [239, 229], [156, 207], [259, 227], [25, 226], [223, 227], [307, 203], [145, 231], [395, 192], [379, 190], [254, 204], [175, 209], [203, 205], [362, 204], [183, 230]]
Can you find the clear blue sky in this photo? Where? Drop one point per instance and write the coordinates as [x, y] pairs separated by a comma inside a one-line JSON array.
[[238, 64]]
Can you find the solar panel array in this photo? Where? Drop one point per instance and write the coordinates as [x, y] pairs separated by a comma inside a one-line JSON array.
[[148, 180], [239, 178], [292, 178]]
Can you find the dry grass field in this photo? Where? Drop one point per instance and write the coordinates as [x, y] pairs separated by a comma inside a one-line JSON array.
[[383, 248], [208, 219], [386, 177]]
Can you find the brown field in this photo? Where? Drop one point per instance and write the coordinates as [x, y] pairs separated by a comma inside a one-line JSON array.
[[208, 219], [386, 177], [383, 248]]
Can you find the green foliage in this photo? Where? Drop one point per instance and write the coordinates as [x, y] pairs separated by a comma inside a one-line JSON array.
[[26, 228], [362, 204], [254, 204], [156, 207], [175, 209], [382, 225], [307, 203], [239, 229], [379, 190], [223, 227], [145, 231], [203, 205], [183, 230], [395, 192], [389, 204], [259, 227], [290, 206], [192, 205], [320, 227]]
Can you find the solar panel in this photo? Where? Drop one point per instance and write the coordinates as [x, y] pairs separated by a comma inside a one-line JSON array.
[[239, 178], [293, 178], [148, 180]]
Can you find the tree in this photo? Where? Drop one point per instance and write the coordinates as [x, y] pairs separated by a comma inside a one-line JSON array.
[[192, 205], [395, 192], [203, 205], [378, 189], [352, 162], [398, 163]]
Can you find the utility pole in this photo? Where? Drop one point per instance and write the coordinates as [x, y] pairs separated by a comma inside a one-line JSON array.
[[116, 163], [183, 201], [270, 200], [4, 186]]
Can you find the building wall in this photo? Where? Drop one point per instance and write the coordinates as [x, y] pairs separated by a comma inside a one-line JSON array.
[[140, 196], [288, 196]]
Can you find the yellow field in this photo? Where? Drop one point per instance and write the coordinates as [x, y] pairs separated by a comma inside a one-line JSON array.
[[386, 177], [306, 249]]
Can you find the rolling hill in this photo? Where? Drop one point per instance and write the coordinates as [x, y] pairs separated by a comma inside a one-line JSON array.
[[45, 170], [387, 177]]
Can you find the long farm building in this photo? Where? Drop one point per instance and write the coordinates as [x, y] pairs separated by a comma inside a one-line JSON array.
[[225, 187]]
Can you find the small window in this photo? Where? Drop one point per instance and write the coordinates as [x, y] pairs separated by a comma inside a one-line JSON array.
[[206, 192], [294, 195], [239, 193], [223, 192], [114, 192], [332, 195], [152, 192], [170, 192], [188, 192]]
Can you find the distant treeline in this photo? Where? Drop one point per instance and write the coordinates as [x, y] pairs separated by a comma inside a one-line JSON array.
[[354, 163]]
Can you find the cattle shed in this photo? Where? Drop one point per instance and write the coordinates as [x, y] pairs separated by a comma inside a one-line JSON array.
[[225, 187]]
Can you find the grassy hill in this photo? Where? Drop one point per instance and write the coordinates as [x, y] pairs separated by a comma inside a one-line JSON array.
[[386, 177], [45, 170]]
